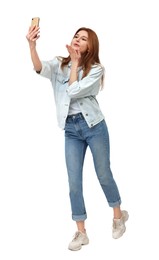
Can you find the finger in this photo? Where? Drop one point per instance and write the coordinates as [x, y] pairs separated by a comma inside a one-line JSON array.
[[34, 34], [34, 29], [68, 47], [35, 39]]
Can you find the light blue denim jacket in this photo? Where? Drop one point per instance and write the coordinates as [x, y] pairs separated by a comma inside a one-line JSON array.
[[84, 90]]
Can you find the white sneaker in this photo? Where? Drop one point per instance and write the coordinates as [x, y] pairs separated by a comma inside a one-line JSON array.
[[119, 225], [78, 241]]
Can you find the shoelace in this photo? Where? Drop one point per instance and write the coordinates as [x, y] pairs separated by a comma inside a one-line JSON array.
[[76, 236], [117, 224]]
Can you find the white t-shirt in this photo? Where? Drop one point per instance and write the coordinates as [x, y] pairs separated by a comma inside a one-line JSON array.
[[74, 107]]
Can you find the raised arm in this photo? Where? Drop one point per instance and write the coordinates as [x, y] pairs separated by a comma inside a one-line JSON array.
[[32, 36], [75, 57]]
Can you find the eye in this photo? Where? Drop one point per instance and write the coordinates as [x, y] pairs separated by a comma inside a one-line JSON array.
[[84, 39]]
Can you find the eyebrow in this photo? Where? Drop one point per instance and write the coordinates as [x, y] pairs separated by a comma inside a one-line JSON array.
[[81, 35]]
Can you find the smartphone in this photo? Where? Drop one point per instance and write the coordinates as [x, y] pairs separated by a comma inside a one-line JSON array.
[[35, 21]]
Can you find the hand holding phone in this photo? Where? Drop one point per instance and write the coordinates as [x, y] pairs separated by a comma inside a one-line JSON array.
[[33, 33]]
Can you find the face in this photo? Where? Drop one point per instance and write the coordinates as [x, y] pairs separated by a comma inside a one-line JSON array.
[[80, 41]]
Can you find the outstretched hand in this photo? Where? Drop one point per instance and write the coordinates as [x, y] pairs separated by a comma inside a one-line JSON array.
[[74, 53], [33, 34]]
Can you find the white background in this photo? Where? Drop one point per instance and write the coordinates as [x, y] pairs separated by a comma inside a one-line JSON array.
[[35, 216]]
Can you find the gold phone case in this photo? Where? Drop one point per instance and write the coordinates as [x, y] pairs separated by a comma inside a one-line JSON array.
[[35, 21]]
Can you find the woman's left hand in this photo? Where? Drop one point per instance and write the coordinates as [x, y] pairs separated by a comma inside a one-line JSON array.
[[74, 53]]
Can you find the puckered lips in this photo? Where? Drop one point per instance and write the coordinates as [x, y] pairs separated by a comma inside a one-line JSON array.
[[76, 45]]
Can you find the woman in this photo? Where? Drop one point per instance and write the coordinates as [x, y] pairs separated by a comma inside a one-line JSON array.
[[76, 80]]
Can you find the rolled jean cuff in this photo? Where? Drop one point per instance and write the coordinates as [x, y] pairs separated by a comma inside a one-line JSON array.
[[114, 204], [79, 217]]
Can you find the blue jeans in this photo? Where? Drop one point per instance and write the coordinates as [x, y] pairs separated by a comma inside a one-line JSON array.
[[78, 136]]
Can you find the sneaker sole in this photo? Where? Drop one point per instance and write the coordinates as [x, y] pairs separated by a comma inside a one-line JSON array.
[[78, 248], [75, 249]]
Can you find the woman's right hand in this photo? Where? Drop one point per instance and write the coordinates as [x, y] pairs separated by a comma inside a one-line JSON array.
[[33, 35]]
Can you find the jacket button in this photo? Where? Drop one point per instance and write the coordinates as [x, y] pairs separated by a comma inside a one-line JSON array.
[[81, 103], [86, 114]]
